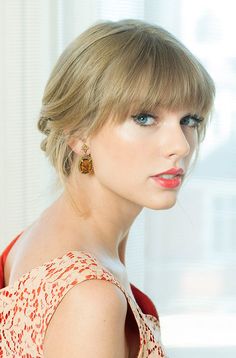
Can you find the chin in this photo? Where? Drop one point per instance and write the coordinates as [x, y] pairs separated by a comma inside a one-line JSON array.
[[162, 205]]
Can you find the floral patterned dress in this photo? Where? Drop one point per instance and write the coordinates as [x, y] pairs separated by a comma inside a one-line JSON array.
[[27, 305]]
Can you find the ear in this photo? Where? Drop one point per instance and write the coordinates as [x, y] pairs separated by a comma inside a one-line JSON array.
[[76, 143]]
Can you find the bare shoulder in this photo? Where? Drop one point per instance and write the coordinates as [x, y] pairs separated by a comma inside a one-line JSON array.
[[89, 322]]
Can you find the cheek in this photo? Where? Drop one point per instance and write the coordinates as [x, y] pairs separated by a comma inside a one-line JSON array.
[[193, 142], [192, 138], [118, 151]]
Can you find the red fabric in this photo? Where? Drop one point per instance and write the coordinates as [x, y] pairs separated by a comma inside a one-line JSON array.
[[144, 302], [3, 257]]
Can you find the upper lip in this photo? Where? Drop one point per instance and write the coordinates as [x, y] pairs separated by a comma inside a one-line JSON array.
[[174, 171]]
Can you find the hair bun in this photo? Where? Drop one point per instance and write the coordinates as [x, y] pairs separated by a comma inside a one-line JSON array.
[[43, 125], [43, 144]]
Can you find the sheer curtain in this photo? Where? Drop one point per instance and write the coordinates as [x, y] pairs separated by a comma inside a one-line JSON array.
[[184, 257]]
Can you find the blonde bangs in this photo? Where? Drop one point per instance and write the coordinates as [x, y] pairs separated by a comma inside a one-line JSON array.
[[155, 74]]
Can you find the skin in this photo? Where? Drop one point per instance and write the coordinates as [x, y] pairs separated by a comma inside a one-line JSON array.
[[125, 156]]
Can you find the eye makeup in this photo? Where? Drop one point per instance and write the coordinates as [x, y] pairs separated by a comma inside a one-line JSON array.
[[196, 120], [141, 118], [189, 120]]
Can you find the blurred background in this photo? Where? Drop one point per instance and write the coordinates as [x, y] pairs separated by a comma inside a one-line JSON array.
[[184, 258]]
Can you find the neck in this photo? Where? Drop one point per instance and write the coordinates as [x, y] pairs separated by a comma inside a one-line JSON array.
[[98, 224]]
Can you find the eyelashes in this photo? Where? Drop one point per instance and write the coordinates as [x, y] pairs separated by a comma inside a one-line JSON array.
[[195, 118], [142, 118]]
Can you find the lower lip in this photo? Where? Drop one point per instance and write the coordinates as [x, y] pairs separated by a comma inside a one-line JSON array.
[[168, 183]]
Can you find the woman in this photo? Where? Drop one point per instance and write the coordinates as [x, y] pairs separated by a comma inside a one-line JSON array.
[[125, 103]]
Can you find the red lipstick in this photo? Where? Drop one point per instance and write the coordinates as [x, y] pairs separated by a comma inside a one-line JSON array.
[[169, 179]]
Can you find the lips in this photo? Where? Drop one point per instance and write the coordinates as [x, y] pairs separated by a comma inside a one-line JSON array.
[[172, 171]]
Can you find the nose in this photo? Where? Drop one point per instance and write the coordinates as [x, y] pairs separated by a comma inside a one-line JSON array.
[[175, 143]]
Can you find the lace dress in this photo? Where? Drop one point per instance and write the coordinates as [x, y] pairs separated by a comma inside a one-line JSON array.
[[27, 305]]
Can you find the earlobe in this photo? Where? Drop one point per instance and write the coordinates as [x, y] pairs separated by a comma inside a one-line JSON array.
[[76, 140], [76, 143]]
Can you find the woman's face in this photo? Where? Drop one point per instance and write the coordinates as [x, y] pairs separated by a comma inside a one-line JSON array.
[[126, 156]]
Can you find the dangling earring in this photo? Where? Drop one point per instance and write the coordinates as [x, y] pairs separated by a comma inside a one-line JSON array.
[[86, 163]]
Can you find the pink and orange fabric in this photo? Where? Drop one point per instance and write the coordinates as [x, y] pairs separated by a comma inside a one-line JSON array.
[[27, 305]]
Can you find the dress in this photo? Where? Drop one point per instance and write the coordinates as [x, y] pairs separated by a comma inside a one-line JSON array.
[[27, 305]]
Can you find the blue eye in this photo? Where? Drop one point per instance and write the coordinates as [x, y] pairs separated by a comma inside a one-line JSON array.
[[194, 120], [142, 119]]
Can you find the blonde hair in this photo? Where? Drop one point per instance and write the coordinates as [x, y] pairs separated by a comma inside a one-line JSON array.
[[114, 68]]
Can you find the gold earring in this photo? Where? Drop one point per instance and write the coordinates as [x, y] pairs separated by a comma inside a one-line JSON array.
[[86, 163]]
